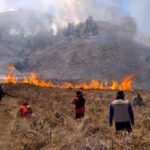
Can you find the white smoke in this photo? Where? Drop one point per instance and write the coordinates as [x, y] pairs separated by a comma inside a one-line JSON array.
[[3, 6], [141, 12], [78, 10], [67, 10]]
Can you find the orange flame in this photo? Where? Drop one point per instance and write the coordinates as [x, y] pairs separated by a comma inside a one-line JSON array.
[[33, 79], [125, 85], [10, 78]]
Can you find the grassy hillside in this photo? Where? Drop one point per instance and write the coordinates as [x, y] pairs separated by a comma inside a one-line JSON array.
[[52, 126]]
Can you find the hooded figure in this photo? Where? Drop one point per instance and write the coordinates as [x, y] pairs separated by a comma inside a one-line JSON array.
[[79, 102], [121, 112]]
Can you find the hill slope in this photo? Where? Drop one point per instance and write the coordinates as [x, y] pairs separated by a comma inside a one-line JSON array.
[[90, 50]]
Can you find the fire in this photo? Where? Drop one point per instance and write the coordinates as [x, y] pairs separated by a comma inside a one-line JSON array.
[[33, 79], [10, 78], [125, 84]]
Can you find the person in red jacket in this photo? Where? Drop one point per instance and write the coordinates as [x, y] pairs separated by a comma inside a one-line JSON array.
[[25, 110], [79, 102]]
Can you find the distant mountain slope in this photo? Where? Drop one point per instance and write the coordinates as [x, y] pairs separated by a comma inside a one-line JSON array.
[[86, 58], [16, 30]]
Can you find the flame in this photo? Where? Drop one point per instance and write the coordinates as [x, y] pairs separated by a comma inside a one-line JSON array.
[[125, 84], [33, 79], [10, 78]]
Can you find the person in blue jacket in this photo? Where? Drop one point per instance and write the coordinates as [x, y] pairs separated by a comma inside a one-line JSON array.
[[121, 112]]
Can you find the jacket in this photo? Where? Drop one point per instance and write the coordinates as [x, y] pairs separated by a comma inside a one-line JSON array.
[[24, 110], [121, 111], [78, 109]]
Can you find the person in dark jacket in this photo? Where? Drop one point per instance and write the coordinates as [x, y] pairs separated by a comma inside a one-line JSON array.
[[1, 93], [121, 111], [79, 102], [138, 100]]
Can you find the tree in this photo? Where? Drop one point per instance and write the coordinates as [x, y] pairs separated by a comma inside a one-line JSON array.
[[91, 27], [70, 29]]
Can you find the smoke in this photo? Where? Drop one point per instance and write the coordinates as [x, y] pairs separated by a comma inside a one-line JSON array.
[[139, 9], [3, 6], [65, 11], [76, 11], [68, 10]]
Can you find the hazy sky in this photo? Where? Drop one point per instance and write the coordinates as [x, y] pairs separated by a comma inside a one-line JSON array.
[[80, 9]]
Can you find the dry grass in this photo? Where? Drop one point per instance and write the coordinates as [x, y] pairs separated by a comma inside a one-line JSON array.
[[53, 127]]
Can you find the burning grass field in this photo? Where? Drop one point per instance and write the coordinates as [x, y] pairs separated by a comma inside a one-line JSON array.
[[53, 127], [33, 78]]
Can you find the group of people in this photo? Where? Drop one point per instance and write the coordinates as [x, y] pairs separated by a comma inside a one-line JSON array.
[[120, 110]]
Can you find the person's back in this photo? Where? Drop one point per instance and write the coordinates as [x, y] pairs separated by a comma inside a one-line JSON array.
[[83, 94], [121, 111], [79, 102], [138, 100]]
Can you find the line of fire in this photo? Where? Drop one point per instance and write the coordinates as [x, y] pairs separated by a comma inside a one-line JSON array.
[[126, 84]]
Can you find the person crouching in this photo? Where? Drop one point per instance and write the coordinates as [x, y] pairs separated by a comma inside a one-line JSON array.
[[79, 102], [25, 110]]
